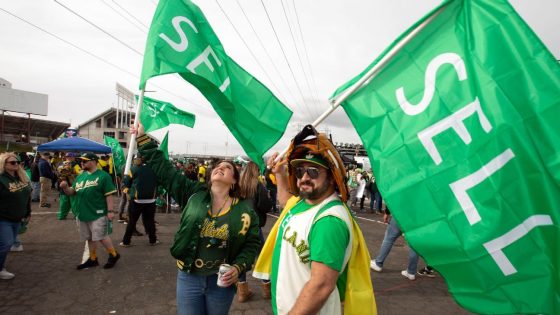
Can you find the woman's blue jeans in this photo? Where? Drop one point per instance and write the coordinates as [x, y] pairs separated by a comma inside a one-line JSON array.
[[200, 295], [8, 234]]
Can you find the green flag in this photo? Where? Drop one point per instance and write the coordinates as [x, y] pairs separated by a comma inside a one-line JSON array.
[[118, 153], [182, 41], [462, 127], [163, 147], [157, 114]]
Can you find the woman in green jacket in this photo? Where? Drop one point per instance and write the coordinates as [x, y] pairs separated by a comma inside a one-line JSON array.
[[216, 228], [15, 205]]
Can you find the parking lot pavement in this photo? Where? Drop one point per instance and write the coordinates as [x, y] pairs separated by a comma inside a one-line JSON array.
[[143, 281]]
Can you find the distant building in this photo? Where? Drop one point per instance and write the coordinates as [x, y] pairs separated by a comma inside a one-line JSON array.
[[106, 124], [18, 130], [350, 149]]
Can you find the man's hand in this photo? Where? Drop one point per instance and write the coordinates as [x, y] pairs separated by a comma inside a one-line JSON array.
[[274, 167], [63, 184], [110, 215], [281, 174], [386, 218]]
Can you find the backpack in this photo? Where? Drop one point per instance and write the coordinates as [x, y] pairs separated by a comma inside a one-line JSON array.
[[262, 203]]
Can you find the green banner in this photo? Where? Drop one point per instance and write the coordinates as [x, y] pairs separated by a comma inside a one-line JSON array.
[[118, 153], [182, 41], [163, 146], [462, 127], [156, 114]]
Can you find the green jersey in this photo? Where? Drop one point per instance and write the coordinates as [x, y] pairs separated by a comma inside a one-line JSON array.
[[91, 190]]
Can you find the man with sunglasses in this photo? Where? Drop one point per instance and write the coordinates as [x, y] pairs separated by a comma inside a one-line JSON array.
[[315, 248], [93, 203]]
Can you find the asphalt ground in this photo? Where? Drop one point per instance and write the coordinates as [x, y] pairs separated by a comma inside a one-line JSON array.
[[143, 281]]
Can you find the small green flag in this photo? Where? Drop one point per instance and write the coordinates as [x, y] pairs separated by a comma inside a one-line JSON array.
[[462, 127], [182, 41], [118, 153], [163, 147], [156, 114]]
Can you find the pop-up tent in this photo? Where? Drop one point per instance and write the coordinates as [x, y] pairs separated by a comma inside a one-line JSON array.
[[74, 144]]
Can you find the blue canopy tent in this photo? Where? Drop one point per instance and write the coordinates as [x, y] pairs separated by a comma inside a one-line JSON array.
[[74, 144]]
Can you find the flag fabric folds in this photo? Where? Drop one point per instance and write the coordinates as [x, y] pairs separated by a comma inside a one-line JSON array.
[[163, 146], [461, 128], [182, 41], [157, 114], [118, 154]]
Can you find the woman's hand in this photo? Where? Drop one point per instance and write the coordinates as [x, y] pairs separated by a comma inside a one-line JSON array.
[[230, 277], [137, 131]]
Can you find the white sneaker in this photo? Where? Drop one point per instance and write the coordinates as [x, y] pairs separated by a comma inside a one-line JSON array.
[[408, 275], [15, 248], [374, 266], [5, 275]]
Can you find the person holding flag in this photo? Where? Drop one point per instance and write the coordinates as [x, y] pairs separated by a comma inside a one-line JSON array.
[[216, 228], [316, 247]]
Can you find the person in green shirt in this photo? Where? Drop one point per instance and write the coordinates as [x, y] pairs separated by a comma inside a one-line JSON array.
[[217, 227], [315, 256], [93, 202]]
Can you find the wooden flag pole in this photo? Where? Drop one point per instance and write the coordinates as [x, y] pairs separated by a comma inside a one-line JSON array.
[[132, 143]]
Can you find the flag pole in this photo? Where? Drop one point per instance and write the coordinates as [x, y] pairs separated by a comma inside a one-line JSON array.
[[132, 143], [335, 103]]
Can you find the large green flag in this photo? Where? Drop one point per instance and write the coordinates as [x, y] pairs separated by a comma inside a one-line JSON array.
[[462, 127], [156, 114], [182, 41], [118, 153], [163, 146]]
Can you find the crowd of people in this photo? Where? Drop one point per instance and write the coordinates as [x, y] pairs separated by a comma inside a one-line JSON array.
[[316, 244]]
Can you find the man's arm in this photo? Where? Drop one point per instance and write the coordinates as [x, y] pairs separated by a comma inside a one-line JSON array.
[[69, 191], [110, 211], [317, 290], [281, 173]]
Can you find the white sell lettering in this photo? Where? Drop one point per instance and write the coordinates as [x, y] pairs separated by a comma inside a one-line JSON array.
[[454, 121], [495, 247], [461, 186], [204, 58], [184, 43], [429, 82]]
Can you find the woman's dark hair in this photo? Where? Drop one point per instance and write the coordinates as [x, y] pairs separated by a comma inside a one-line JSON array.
[[233, 191]]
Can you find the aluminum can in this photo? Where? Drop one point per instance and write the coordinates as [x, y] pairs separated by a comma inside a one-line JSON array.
[[223, 269]]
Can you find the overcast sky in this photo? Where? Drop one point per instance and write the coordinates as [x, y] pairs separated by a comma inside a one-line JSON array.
[[340, 38]]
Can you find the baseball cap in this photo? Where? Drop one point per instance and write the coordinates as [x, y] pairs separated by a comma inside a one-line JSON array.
[[311, 158], [89, 157]]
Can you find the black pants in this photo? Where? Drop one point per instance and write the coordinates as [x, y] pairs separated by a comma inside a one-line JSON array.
[[148, 212], [362, 201]]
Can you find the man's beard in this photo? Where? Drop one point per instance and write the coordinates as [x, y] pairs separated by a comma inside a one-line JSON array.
[[315, 192]]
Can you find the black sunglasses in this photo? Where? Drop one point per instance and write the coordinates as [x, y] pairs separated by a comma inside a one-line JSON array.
[[313, 172], [13, 162]]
